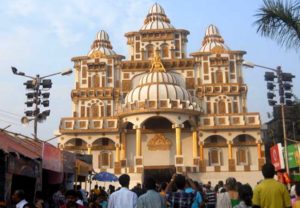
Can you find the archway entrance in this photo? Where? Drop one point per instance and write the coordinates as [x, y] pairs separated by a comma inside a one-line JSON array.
[[159, 173]]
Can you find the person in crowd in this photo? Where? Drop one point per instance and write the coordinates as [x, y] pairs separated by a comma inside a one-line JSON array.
[[220, 187], [198, 198], [270, 193], [79, 199], [102, 201], [18, 198], [83, 195], [2, 204], [124, 197], [151, 199], [245, 196], [71, 198], [180, 198], [162, 191], [39, 201], [229, 198], [58, 197], [211, 196], [296, 202], [96, 190], [138, 189]]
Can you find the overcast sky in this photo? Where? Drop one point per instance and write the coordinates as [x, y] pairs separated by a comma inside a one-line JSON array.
[[41, 37]]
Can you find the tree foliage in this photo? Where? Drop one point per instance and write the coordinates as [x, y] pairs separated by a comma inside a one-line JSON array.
[[280, 21]]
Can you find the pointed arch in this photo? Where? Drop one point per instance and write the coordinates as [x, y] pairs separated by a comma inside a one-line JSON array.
[[219, 76], [150, 51], [96, 80], [164, 51], [221, 107]]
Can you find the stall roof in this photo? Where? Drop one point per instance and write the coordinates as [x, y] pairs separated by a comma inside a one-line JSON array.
[[27, 147]]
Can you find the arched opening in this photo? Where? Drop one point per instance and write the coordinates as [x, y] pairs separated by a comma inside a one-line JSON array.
[[219, 76], [214, 140], [187, 125], [244, 139], [222, 107], [96, 80], [150, 51], [164, 51], [128, 126], [75, 142], [94, 110], [157, 123]]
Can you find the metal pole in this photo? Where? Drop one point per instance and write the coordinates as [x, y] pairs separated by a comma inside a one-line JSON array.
[[285, 140]]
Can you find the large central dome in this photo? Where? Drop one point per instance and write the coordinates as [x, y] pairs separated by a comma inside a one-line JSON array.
[[160, 86]]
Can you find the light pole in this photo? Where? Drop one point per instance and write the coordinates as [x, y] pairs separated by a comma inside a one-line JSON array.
[[282, 79], [36, 97]]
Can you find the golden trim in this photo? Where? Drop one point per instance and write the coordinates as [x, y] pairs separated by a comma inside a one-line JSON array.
[[159, 142], [157, 65]]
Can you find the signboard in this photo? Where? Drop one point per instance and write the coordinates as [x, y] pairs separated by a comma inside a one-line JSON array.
[[276, 153], [52, 158], [293, 155]]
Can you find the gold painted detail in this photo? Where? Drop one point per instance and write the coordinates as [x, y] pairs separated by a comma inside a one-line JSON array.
[[97, 54], [159, 142], [157, 65]]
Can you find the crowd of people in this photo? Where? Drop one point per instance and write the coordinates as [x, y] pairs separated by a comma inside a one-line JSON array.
[[180, 192]]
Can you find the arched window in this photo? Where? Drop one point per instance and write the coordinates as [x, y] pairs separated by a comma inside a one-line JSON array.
[[219, 76], [150, 51], [164, 51], [105, 159], [215, 157], [222, 106], [242, 156], [94, 110], [96, 80]]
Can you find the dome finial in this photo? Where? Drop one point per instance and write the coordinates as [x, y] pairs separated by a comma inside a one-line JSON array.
[[157, 65]]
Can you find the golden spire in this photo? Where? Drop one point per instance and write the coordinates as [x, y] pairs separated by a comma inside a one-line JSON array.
[[157, 65]]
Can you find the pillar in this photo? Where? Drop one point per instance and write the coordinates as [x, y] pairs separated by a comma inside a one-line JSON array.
[[89, 150], [117, 159], [259, 149], [229, 150], [178, 141], [201, 151], [123, 146], [138, 142], [195, 144]]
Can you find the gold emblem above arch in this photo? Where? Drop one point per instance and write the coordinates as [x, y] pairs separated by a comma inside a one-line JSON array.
[[97, 54], [159, 142]]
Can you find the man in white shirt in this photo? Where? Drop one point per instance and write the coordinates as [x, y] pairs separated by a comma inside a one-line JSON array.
[[18, 198], [124, 197]]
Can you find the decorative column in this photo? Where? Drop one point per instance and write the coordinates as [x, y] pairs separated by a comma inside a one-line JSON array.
[[202, 164], [178, 156], [261, 160], [138, 152], [123, 149], [195, 151], [117, 167], [231, 161], [89, 149]]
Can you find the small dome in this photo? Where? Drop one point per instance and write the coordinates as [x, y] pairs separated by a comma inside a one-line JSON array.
[[212, 40], [102, 35], [156, 8], [102, 45], [156, 19]]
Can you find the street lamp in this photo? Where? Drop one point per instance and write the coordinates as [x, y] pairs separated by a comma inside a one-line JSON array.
[[283, 80], [35, 97]]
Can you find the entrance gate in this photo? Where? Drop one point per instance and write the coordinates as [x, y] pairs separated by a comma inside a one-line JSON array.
[[159, 173]]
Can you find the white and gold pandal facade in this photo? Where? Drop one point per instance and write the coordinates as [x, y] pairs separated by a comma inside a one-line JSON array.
[[162, 109]]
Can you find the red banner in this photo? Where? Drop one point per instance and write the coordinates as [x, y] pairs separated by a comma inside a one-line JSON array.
[[52, 158], [276, 154]]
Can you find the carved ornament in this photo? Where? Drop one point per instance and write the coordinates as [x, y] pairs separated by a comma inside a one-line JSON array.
[[159, 142]]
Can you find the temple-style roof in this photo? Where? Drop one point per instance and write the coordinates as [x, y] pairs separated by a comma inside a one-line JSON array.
[[157, 19], [213, 40], [101, 46]]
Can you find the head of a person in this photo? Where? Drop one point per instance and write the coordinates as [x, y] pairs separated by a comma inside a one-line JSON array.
[[138, 185], [124, 180], [297, 189], [2, 204], [268, 170], [220, 184], [150, 183], [246, 194], [39, 195], [18, 196], [180, 181], [78, 187], [96, 186], [163, 186], [230, 184], [71, 197]]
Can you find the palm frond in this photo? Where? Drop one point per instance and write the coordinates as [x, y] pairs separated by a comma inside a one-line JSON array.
[[280, 21]]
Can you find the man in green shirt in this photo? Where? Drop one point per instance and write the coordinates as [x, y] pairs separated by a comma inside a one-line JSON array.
[[270, 193]]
